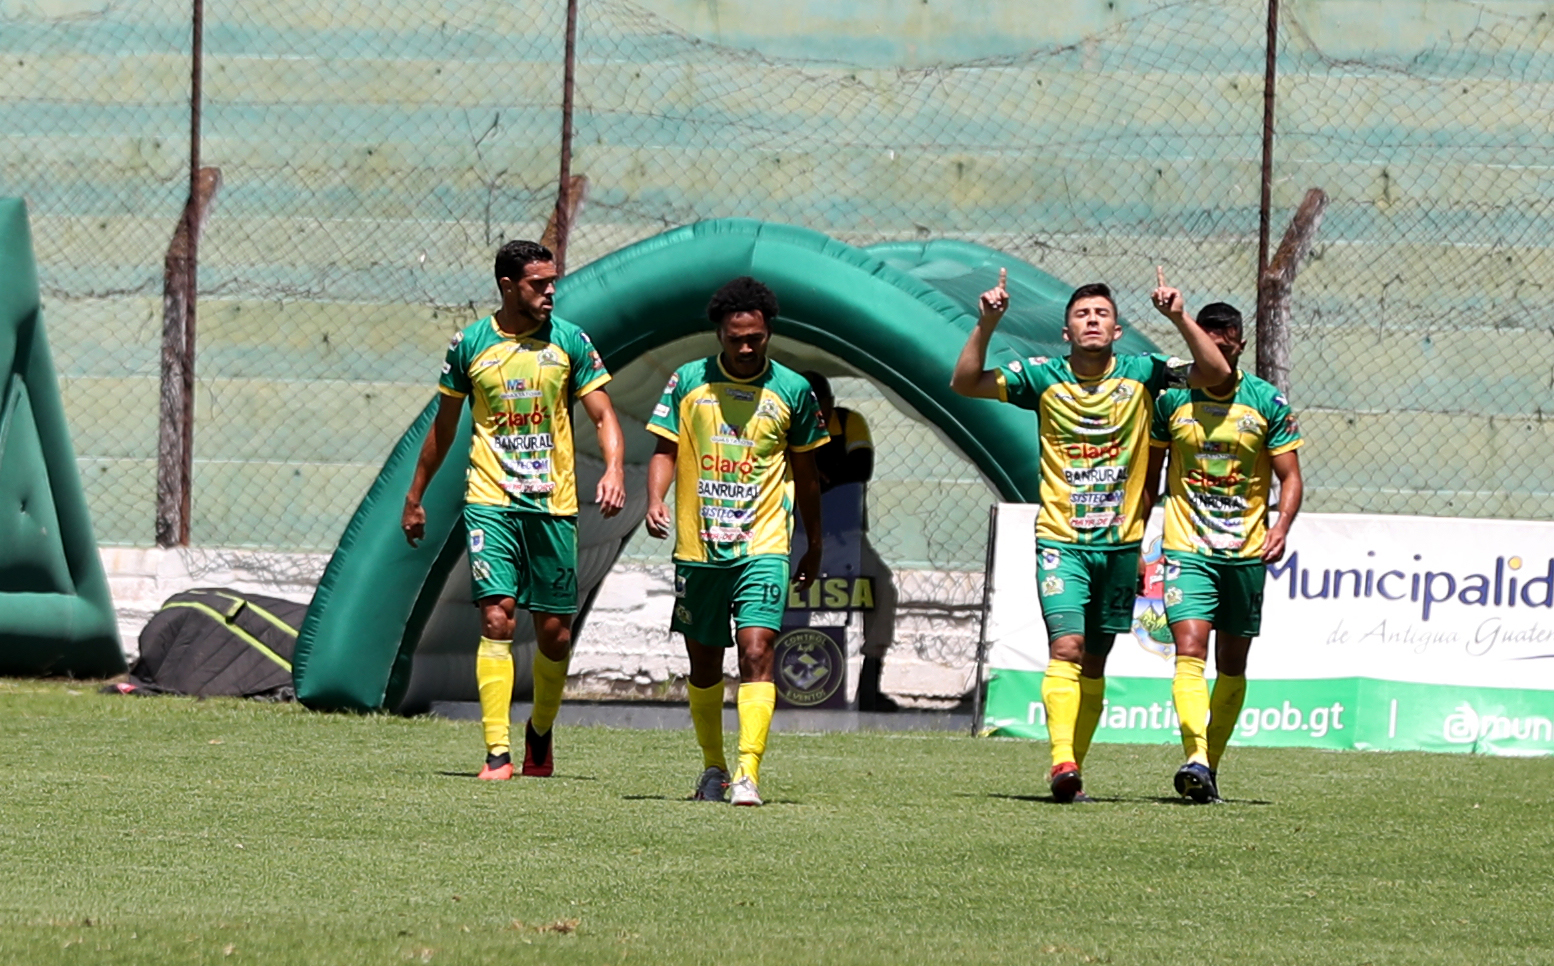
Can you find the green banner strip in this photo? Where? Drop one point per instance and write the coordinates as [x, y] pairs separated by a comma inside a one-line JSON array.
[[1363, 713]]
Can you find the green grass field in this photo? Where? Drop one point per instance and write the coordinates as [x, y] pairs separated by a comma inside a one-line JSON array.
[[137, 830]]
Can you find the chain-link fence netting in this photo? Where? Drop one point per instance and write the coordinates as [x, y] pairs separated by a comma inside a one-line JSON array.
[[373, 156]]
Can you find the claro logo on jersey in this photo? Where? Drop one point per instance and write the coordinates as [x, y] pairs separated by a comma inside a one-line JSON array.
[[1089, 451], [1513, 583], [718, 464], [511, 421]]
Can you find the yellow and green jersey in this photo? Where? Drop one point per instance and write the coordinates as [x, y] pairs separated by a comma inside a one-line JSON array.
[[733, 484], [1221, 463], [521, 388], [1094, 436]]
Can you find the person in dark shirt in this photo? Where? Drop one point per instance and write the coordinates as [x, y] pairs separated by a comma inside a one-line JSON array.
[[849, 458]]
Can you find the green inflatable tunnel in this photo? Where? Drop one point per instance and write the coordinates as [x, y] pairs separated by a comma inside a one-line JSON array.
[[56, 616], [897, 312]]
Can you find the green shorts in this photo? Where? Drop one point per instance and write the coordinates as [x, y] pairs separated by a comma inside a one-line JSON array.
[[1089, 592], [530, 557], [1227, 594], [753, 591]]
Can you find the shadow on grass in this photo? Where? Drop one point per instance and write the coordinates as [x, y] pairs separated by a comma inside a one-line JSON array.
[[476, 774], [691, 801], [1114, 800]]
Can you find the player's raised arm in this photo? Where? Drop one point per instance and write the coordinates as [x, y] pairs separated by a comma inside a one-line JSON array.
[[971, 376], [439, 440], [1209, 367]]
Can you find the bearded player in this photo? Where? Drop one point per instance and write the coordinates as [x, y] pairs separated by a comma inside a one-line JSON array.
[[1093, 412], [1226, 441], [737, 434], [521, 369]]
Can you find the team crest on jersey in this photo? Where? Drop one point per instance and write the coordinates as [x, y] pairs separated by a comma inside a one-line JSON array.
[[1051, 584], [1246, 424], [549, 356], [1050, 557], [477, 541], [1122, 393], [767, 409], [1173, 596]]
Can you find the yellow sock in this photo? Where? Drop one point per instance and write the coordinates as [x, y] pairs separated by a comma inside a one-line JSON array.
[[1224, 710], [550, 679], [1190, 692], [494, 677], [756, 703], [1092, 697], [1060, 696], [707, 719]]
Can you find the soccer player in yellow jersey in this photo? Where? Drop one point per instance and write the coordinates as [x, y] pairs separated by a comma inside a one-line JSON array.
[[1093, 411], [1225, 441], [521, 369], [737, 434]]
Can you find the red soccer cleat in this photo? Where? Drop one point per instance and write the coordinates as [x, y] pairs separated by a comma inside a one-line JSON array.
[[537, 759], [499, 768]]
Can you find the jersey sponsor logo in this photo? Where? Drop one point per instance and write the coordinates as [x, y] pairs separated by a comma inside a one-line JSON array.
[[1016, 367], [1037, 360], [534, 466], [1112, 498], [724, 490], [1292, 425], [706, 401], [1095, 426], [1199, 477], [1214, 449], [526, 443], [1218, 410], [487, 363], [528, 486], [718, 464], [674, 380], [730, 435], [1279, 400], [1096, 476], [597, 363], [1050, 558], [1222, 541], [1089, 451], [1217, 503], [1051, 584], [510, 421], [457, 338], [726, 535], [526, 394], [729, 514], [660, 411], [743, 395], [1095, 521], [768, 408], [447, 367], [477, 540]]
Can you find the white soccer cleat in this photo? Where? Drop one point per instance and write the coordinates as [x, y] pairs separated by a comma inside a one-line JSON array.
[[712, 786], [744, 792]]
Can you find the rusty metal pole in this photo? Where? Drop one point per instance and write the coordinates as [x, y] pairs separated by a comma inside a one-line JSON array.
[[563, 216], [1265, 204], [191, 279]]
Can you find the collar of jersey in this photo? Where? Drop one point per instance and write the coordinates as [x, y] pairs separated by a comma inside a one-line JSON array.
[[1110, 368], [1240, 373], [514, 335], [764, 369]]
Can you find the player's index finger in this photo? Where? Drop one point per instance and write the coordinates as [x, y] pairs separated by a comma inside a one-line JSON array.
[[1160, 276], [1003, 277]]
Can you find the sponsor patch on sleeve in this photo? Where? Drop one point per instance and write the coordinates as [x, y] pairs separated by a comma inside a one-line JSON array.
[[660, 410]]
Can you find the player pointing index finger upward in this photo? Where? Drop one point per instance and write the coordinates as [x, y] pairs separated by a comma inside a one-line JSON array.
[[1093, 411]]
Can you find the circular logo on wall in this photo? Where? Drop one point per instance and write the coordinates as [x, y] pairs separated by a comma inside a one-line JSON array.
[[810, 667]]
